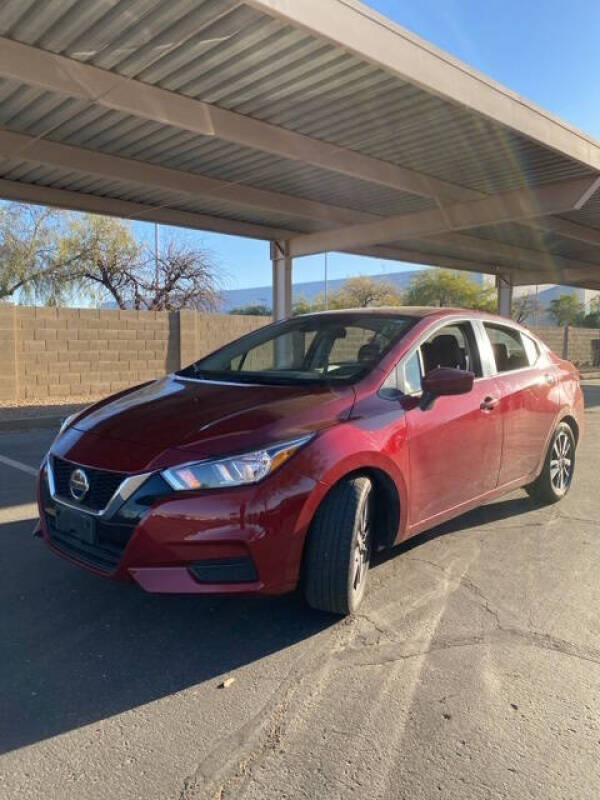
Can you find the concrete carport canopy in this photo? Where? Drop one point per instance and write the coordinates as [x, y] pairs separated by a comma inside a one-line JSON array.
[[316, 124]]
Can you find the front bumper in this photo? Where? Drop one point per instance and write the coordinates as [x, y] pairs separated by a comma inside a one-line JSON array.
[[248, 539]]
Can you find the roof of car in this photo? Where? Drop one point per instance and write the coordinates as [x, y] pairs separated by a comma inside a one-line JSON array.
[[411, 311], [408, 311], [422, 312]]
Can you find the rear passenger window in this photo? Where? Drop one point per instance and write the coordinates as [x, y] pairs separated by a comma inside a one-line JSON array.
[[508, 347]]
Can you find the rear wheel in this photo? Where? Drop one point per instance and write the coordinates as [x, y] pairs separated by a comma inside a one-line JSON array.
[[339, 548], [555, 478]]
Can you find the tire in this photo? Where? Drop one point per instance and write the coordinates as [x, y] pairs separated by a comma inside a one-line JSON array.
[[555, 479], [339, 548]]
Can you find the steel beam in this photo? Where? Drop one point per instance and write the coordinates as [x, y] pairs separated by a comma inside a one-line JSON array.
[[582, 276], [358, 29], [505, 295], [57, 73], [566, 229], [282, 279], [551, 198], [576, 276], [48, 70], [78, 201], [507, 254], [22, 147], [423, 258]]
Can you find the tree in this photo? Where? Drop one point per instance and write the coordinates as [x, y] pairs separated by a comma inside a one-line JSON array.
[[183, 276], [303, 305], [525, 307], [102, 253], [444, 287], [258, 310], [592, 319], [566, 310], [29, 242], [364, 292]]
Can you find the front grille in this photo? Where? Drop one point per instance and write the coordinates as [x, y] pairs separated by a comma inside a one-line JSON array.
[[104, 554], [103, 484]]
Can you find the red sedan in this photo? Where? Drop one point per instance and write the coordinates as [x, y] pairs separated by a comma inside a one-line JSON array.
[[289, 455]]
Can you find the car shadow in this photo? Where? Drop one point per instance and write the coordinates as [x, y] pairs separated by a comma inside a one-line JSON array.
[[77, 648], [496, 511]]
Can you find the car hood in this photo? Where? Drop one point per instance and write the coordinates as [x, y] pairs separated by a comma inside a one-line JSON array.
[[175, 418]]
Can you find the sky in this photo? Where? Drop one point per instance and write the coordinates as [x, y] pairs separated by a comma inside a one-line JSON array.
[[546, 50]]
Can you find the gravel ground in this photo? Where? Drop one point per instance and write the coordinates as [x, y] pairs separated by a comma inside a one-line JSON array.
[[61, 407]]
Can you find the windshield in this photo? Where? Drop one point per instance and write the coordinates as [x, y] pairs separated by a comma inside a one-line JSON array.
[[338, 348]]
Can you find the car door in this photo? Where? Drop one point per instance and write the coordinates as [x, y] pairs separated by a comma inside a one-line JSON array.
[[529, 399], [455, 446]]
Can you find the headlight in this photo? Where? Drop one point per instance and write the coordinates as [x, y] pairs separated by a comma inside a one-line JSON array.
[[239, 470]]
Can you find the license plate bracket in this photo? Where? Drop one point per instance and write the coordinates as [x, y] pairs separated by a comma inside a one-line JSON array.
[[76, 523]]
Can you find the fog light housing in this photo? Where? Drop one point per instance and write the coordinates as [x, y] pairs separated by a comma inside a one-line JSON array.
[[224, 570]]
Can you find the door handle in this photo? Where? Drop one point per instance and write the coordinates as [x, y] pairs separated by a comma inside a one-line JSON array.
[[489, 403]]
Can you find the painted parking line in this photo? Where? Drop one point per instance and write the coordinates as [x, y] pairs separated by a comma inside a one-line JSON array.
[[19, 513], [10, 462]]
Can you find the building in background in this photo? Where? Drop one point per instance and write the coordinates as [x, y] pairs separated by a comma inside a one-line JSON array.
[[310, 290], [546, 292]]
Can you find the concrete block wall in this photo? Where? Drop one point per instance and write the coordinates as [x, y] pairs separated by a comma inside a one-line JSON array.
[[553, 337], [200, 334], [8, 380], [62, 353], [579, 345], [584, 345]]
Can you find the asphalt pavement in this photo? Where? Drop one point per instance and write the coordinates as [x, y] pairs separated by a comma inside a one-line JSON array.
[[473, 670]]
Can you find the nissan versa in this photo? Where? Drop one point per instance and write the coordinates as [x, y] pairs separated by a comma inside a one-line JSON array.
[[287, 457]]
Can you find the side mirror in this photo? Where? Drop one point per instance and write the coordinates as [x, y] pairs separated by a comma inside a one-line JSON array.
[[444, 381]]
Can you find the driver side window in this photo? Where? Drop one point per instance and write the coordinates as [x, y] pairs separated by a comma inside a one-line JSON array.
[[451, 346]]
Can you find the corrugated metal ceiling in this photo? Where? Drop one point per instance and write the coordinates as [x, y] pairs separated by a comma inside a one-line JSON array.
[[237, 58], [26, 172], [229, 54], [536, 239], [589, 215], [70, 121]]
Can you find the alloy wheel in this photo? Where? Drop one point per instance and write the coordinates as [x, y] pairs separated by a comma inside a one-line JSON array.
[[561, 463], [362, 547]]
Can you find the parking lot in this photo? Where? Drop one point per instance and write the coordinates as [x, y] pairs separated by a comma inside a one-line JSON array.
[[472, 671]]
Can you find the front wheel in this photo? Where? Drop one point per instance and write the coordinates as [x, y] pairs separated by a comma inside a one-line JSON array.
[[555, 479], [338, 550]]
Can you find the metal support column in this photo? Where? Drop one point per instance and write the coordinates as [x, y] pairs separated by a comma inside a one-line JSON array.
[[282, 279], [504, 286]]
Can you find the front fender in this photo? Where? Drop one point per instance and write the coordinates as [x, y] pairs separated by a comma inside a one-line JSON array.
[[356, 445]]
